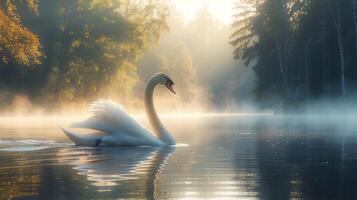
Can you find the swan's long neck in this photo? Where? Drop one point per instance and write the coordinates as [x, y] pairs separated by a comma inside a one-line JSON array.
[[155, 122]]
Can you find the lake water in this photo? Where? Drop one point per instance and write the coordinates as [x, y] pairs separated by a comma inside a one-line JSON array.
[[219, 157]]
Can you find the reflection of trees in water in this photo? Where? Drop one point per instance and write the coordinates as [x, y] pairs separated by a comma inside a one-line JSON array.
[[35, 175], [300, 161], [16, 178], [59, 181]]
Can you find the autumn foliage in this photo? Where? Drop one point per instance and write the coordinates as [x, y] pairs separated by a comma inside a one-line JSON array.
[[16, 41]]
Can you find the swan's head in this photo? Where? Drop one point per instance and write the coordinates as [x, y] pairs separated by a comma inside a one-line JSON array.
[[164, 79]]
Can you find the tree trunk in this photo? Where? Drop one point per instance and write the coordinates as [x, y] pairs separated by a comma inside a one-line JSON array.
[[281, 48], [340, 48], [337, 24], [355, 25], [324, 62], [281, 65], [307, 86]]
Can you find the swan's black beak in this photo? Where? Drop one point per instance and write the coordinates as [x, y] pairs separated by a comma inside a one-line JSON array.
[[169, 85]]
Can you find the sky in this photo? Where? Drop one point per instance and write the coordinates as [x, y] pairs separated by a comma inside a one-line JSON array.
[[220, 9]]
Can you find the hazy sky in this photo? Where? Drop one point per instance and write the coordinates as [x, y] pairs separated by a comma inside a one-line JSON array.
[[221, 9]]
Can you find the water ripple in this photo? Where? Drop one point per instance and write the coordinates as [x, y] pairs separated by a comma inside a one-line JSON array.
[[28, 145]]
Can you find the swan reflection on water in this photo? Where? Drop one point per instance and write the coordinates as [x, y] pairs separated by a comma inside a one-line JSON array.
[[107, 168]]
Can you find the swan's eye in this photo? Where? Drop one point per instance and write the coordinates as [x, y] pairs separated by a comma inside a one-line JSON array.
[[169, 84]]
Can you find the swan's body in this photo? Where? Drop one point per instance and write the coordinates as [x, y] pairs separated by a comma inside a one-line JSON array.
[[119, 127]]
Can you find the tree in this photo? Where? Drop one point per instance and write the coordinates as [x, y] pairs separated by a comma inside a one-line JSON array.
[[89, 47], [17, 43], [306, 42]]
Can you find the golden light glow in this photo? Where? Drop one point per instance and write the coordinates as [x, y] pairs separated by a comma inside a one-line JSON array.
[[204, 114], [61, 120], [220, 9]]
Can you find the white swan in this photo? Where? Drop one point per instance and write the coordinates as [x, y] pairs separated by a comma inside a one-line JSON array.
[[119, 127]]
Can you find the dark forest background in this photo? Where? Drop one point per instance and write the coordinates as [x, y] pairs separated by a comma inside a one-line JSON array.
[[300, 50]]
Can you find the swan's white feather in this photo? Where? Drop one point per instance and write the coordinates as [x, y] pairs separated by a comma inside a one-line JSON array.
[[96, 123], [80, 139], [112, 118], [109, 117], [101, 107]]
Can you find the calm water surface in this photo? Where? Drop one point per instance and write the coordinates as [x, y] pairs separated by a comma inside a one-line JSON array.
[[224, 157]]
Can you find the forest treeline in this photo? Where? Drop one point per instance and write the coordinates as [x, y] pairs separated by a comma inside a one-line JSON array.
[[300, 50], [55, 52]]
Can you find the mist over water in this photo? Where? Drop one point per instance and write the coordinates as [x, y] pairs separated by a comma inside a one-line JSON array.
[[282, 126], [242, 156]]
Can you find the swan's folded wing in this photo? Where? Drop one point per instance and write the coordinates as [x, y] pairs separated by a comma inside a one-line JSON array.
[[97, 123], [110, 117]]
